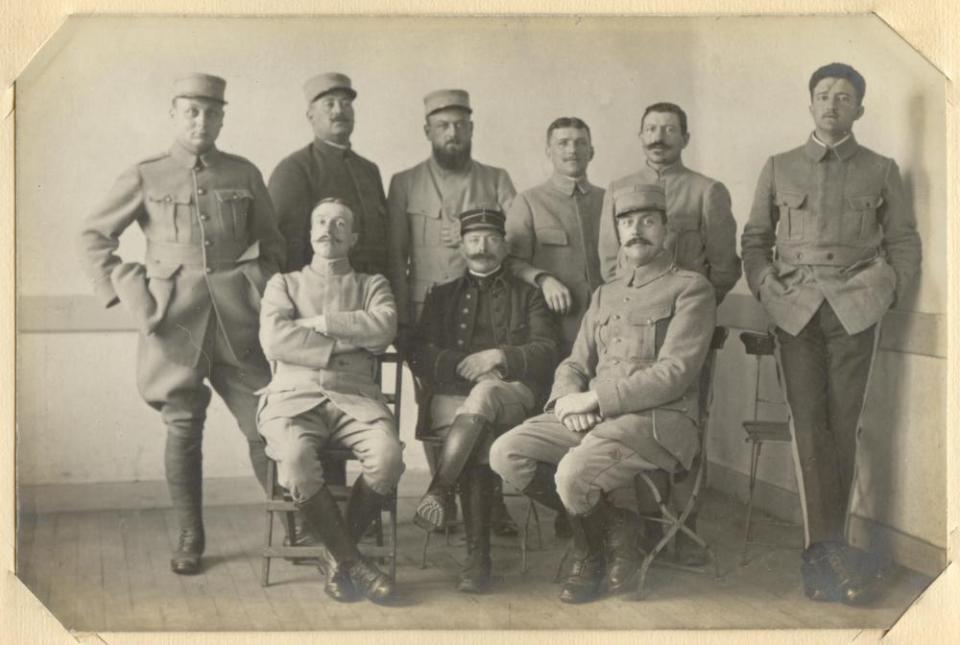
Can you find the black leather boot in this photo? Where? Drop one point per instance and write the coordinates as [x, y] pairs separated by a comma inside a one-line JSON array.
[[586, 572], [623, 556], [336, 581], [465, 434], [475, 490], [819, 578], [183, 460], [363, 507], [543, 488], [323, 516], [856, 583]]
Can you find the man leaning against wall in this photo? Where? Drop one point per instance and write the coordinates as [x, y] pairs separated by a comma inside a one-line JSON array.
[[830, 245]]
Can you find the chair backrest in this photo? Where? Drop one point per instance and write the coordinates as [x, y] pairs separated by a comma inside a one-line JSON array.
[[393, 398]]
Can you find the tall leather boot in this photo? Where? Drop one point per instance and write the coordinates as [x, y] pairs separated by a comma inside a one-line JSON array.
[[543, 487], [183, 460], [501, 522], [586, 575], [623, 556], [323, 516], [257, 450], [465, 434], [475, 490]]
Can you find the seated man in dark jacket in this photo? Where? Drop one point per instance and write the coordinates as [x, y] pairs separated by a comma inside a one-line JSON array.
[[484, 351]]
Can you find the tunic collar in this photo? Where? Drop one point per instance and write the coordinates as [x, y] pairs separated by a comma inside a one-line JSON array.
[[570, 185], [330, 149], [486, 281], [661, 264], [817, 150], [326, 267], [675, 168], [189, 160]]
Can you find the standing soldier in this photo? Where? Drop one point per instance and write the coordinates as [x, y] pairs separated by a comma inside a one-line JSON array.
[[212, 242], [328, 167], [552, 230], [846, 248], [702, 235], [424, 202]]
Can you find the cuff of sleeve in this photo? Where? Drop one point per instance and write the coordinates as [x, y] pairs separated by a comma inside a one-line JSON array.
[[445, 366], [515, 363], [767, 270], [325, 352], [338, 324], [105, 293], [609, 398], [530, 274]]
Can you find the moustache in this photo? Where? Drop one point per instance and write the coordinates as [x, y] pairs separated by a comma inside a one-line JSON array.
[[633, 241], [481, 256], [327, 238], [658, 146]]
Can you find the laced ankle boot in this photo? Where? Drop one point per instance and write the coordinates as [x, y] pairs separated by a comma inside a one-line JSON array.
[[585, 579], [623, 556]]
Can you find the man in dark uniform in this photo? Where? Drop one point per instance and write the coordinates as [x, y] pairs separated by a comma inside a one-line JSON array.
[[212, 242], [846, 247], [484, 350], [625, 400], [328, 167]]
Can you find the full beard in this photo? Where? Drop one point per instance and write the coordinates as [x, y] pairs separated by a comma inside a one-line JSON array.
[[452, 160]]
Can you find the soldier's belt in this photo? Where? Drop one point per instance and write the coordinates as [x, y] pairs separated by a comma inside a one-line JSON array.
[[835, 256], [221, 254]]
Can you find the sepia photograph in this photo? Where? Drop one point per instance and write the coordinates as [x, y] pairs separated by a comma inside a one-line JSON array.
[[349, 323]]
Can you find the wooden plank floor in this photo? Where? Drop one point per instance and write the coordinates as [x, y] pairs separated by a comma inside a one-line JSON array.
[[108, 571]]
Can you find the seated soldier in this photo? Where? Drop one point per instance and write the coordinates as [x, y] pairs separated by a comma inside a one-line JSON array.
[[483, 350], [322, 326], [624, 401]]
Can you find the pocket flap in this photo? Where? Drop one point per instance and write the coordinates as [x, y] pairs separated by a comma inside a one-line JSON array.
[[182, 197], [791, 200], [865, 202], [233, 194], [553, 236], [649, 315], [161, 270], [426, 205]]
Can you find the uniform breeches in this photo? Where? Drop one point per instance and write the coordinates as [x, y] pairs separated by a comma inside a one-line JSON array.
[[588, 465], [295, 444], [502, 404], [179, 393], [825, 372]]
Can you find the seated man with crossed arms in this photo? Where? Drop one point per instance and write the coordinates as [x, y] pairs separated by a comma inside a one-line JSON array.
[[625, 400], [322, 327]]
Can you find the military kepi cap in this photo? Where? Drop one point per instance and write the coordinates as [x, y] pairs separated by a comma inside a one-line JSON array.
[[641, 197], [324, 83], [200, 86], [443, 99], [483, 218]]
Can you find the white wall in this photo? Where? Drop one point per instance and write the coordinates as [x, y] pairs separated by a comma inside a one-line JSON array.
[[96, 101]]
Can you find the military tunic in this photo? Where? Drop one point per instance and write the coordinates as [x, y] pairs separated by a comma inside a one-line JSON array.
[[702, 232], [323, 388], [424, 203], [553, 229], [323, 170], [846, 244], [640, 349], [212, 242]]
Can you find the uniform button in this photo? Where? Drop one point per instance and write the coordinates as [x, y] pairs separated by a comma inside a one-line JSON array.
[[208, 243], [208, 269], [799, 256], [829, 256], [463, 325], [617, 340], [616, 317], [466, 311], [201, 191], [459, 342], [468, 296], [626, 298], [204, 217], [168, 198]]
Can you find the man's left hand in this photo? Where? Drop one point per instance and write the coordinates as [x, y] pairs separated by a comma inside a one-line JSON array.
[[577, 403], [475, 365]]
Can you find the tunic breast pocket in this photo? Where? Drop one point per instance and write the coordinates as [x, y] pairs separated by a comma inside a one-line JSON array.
[[171, 215], [860, 218], [792, 216], [235, 205], [640, 342], [552, 236]]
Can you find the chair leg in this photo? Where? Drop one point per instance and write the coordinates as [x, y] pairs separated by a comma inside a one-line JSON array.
[[754, 467], [393, 537], [268, 541], [536, 519], [426, 544], [524, 533]]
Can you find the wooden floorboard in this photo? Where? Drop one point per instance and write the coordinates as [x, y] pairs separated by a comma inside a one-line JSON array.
[[109, 571]]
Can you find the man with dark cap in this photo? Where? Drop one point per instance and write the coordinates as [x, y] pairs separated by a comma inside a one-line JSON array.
[[328, 167], [830, 245], [483, 350], [424, 233], [323, 326], [212, 242], [625, 400]]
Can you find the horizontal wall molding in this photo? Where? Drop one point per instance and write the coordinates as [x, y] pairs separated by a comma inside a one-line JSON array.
[[905, 332], [773, 500]]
